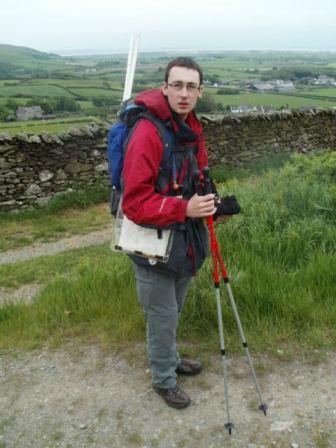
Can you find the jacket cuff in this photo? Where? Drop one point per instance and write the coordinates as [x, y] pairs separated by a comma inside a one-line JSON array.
[[181, 211]]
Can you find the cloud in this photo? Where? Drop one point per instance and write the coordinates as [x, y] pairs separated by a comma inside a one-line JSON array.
[[108, 24]]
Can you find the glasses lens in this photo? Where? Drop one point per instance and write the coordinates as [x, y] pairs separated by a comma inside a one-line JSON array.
[[191, 87]]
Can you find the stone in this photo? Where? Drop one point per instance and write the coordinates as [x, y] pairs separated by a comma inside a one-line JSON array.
[[60, 174], [23, 137], [102, 167], [42, 202], [34, 139], [87, 130], [4, 148], [45, 175], [33, 189], [94, 128], [75, 132], [5, 136], [11, 202], [76, 167], [55, 138], [46, 138], [64, 136]]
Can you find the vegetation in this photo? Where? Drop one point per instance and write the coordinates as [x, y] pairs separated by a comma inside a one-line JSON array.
[[281, 257], [93, 85], [51, 126], [77, 212]]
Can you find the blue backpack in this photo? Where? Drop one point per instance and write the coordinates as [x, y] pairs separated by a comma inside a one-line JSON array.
[[118, 137]]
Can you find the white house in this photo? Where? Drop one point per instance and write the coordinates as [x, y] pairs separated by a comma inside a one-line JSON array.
[[241, 109], [284, 86], [28, 113]]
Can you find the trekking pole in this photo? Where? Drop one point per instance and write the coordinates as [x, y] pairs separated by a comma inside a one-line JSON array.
[[213, 243], [219, 261], [131, 63]]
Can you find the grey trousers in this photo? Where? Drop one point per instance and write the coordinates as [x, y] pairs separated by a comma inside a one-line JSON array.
[[162, 298]]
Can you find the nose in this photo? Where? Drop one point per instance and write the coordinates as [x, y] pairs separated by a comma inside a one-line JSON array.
[[184, 91]]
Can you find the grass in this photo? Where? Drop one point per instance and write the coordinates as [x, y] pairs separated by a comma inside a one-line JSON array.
[[69, 214], [78, 198], [82, 288], [43, 126], [281, 257], [257, 167], [44, 90], [16, 234], [272, 99], [47, 269]]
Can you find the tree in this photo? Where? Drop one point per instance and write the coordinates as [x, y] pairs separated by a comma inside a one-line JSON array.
[[64, 103], [45, 105], [206, 103], [12, 104], [4, 112]]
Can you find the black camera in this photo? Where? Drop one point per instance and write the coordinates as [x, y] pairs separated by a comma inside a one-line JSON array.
[[228, 205]]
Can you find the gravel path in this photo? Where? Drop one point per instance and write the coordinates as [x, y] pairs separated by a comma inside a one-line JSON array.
[[38, 249], [77, 397], [27, 292], [85, 397]]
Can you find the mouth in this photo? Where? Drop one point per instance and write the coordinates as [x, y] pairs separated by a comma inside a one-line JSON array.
[[183, 105]]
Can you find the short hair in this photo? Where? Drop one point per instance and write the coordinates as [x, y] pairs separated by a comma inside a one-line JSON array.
[[184, 62]]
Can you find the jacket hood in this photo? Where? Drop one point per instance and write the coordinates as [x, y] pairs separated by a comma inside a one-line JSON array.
[[158, 105]]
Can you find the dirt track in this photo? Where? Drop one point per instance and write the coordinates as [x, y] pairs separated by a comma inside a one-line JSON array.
[[77, 397], [84, 397]]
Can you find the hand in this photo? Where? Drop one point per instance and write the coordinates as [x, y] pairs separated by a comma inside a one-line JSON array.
[[201, 206]]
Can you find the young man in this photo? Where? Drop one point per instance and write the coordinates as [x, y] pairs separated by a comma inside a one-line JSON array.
[[164, 196]]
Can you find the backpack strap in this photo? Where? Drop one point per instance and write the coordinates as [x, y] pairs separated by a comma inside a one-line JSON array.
[[166, 135]]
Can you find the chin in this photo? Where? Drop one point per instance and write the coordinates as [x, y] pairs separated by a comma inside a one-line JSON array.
[[183, 111]]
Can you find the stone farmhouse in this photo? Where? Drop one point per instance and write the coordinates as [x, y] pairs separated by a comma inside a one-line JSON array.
[[278, 85], [28, 113]]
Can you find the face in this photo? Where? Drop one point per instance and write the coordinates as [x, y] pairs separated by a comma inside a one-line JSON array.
[[182, 90]]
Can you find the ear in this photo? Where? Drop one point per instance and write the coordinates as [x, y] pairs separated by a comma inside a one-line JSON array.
[[200, 92], [164, 88]]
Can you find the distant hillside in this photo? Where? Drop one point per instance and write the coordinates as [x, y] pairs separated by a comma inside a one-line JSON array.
[[16, 61]]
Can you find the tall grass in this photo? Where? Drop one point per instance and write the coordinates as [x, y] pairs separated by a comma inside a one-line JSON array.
[[77, 198], [281, 253], [281, 258], [91, 298]]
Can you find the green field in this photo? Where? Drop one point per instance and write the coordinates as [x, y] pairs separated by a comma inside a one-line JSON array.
[[44, 90], [19, 101], [50, 126], [324, 91], [28, 74], [269, 99], [90, 92]]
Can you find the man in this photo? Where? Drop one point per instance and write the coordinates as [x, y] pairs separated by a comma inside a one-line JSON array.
[[157, 196]]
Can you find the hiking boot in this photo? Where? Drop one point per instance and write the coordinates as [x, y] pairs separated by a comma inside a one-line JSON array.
[[188, 366], [174, 396]]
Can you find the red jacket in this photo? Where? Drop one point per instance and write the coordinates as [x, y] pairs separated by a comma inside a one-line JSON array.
[[141, 203]]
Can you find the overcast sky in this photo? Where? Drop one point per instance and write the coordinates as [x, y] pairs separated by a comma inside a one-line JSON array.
[[107, 25]]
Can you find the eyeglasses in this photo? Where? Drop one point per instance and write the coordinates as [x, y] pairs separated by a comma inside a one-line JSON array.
[[178, 86]]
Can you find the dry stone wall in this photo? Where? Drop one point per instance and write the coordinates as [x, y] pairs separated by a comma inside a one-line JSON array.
[[236, 140], [34, 168]]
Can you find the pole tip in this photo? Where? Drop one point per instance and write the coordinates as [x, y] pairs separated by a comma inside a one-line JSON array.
[[263, 407], [229, 426]]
